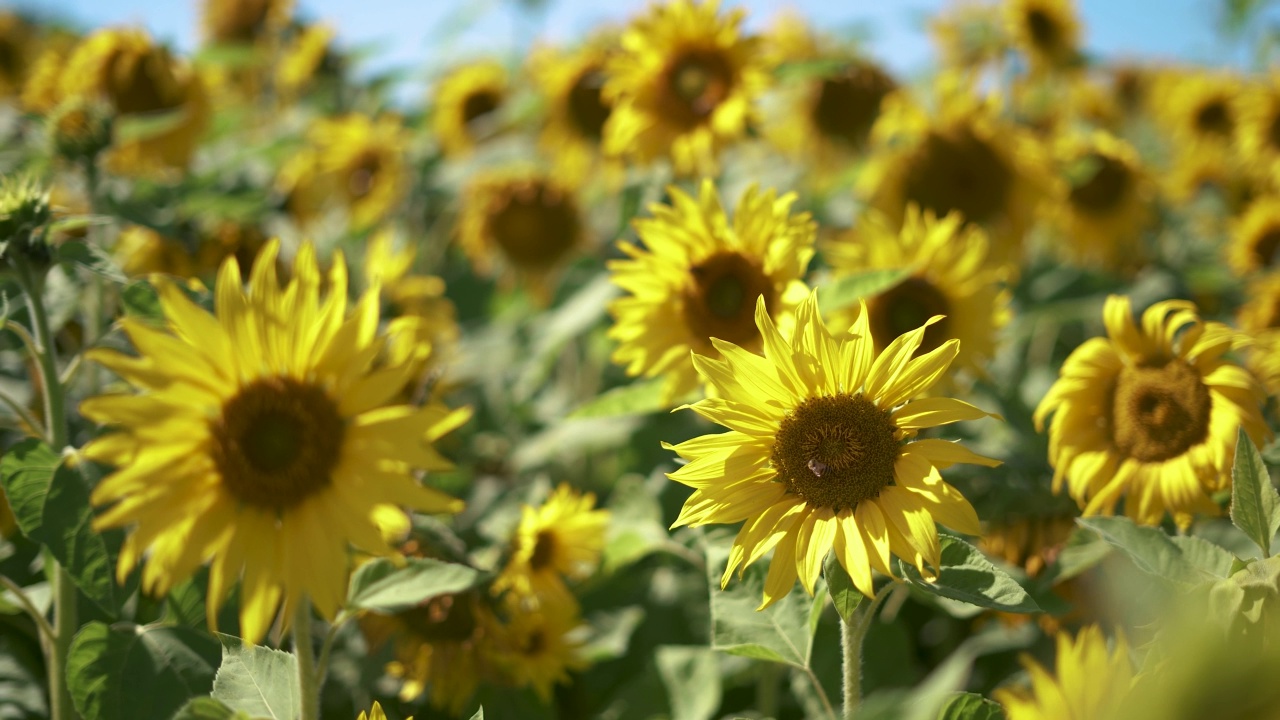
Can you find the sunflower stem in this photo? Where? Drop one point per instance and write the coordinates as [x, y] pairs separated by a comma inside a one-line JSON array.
[[308, 687], [852, 635]]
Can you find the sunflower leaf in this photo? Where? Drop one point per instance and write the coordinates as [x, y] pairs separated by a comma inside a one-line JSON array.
[[66, 528], [971, 706], [638, 398], [691, 675], [1255, 505], [26, 469], [780, 633], [91, 258], [968, 576], [383, 587], [131, 672], [205, 708], [849, 289], [141, 299], [1151, 550], [258, 681], [479, 715], [843, 593]]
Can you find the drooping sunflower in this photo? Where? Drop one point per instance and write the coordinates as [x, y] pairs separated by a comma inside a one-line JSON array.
[[1102, 203], [1091, 682], [682, 86], [950, 275], [539, 648], [262, 441], [1045, 30], [1259, 136], [1150, 414], [969, 35], [819, 455], [1255, 238], [572, 81], [697, 278], [466, 105], [522, 224], [243, 22], [562, 539]]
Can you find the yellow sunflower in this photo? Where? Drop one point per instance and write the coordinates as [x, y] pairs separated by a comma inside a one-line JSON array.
[[262, 441], [560, 540], [538, 648], [1045, 30], [224, 239], [1204, 168], [18, 52], [308, 56], [1199, 107], [467, 104], [143, 251], [1260, 318], [682, 86], [1091, 683], [243, 21], [572, 83], [969, 35], [523, 223], [1255, 238], [950, 276], [1102, 204], [1259, 135], [140, 81], [413, 295], [1150, 413], [376, 713], [697, 278], [818, 455]]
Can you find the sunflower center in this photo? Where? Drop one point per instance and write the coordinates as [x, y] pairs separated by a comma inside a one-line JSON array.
[[535, 225], [448, 618], [1159, 412], [697, 82], [587, 109], [535, 643], [1103, 191], [836, 451], [1044, 31], [961, 172], [1214, 118], [478, 105], [364, 173], [905, 307], [243, 24], [277, 442], [135, 84], [1265, 249], [10, 58], [720, 300], [544, 551], [1273, 131], [848, 105]]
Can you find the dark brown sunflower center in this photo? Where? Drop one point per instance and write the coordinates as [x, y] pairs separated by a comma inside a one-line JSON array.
[[959, 171], [363, 175], [10, 58], [242, 22], [836, 451], [535, 643], [1044, 30], [1266, 247], [1103, 190], [905, 307], [696, 83], [448, 618], [535, 225], [277, 442], [141, 84], [720, 299], [587, 110], [1159, 412], [1214, 118], [544, 550], [479, 104], [1273, 131], [849, 104]]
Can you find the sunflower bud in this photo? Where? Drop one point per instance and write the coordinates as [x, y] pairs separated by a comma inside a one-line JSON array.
[[24, 207], [79, 130]]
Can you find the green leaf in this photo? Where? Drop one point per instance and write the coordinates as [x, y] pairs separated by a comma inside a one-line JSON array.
[[382, 587], [66, 528], [91, 258], [971, 706], [692, 678], [635, 522], [611, 633], [26, 470], [848, 289], [206, 708], [258, 681], [1255, 506], [629, 207], [780, 633], [140, 298], [78, 222], [967, 575], [638, 398], [843, 593], [21, 679], [147, 126], [1150, 549], [131, 672], [1083, 551], [479, 714], [1205, 555]]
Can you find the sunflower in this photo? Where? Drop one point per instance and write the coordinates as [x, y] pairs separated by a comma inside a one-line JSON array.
[[1260, 318], [698, 276], [1151, 413], [243, 22], [143, 251], [950, 276], [1202, 168], [140, 81], [1091, 682], [560, 540], [522, 221], [309, 55], [572, 82], [1199, 108], [376, 713], [682, 85], [262, 441], [224, 239], [969, 35], [18, 49], [1102, 204], [1259, 135], [817, 456], [412, 295], [466, 105], [1045, 30], [1255, 238], [538, 648]]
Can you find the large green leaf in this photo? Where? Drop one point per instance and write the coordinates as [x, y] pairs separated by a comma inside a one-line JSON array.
[[258, 681], [611, 633], [130, 672], [844, 594], [641, 397], [1255, 506], [141, 300], [1205, 555], [91, 258], [971, 706], [781, 633], [26, 470], [383, 587], [1150, 549], [692, 678], [968, 576], [851, 288], [206, 708]]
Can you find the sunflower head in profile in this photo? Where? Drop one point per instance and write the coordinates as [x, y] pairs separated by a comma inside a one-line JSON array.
[[1259, 136], [682, 86], [950, 276], [1046, 31], [572, 81], [698, 275], [1150, 413], [467, 104], [262, 441], [539, 648], [521, 223], [1091, 681], [560, 540], [243, 22], [1255, 238], [821, 452]]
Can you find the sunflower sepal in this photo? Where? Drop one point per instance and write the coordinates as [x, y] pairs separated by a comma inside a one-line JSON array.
[[966, 575]]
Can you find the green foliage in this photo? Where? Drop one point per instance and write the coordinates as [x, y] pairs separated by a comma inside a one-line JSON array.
[[140, 299], [25, 471], [691, 675], [1255, 505], [642, 396], [851, 288], [968, 576], [781, 633], [382, 586], [844, 594], [207, 709], [1151, 550], [90, 257], [257, 681], [969, 706]]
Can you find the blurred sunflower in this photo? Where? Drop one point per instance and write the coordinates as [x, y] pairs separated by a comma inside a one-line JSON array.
[[698, 276], [817, 457], [1131, 86], [411, 294], [1090, 682], [1029, 542], [466, 105], [376, 713], [1259, 136], [1102, 204], [19, 48], [682, 86], [525, 223], [242, 22], [1199, 108], [572, 82], [143, 251], [1150, 413], [562, 539], [1203, 168], [307, 57], [538, 648], [260, 445], [1255, 238], [969, 35], [223, 239], [1045, 30], [1259, 316], [950, 275]]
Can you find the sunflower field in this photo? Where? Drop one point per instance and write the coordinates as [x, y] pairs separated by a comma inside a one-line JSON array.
[[696, 368]]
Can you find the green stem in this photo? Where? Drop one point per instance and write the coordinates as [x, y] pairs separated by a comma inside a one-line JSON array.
[[308, 685], [767, 689], [852, 635], [46, 631]]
